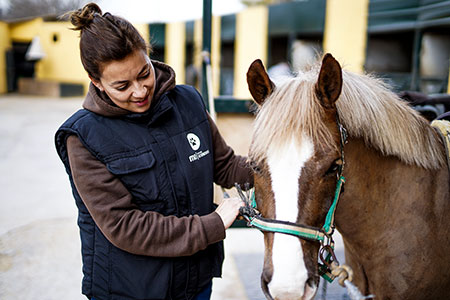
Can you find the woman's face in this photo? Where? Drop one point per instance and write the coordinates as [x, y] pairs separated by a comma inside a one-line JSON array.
[[130, 82]]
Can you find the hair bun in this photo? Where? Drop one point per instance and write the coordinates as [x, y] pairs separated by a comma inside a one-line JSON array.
[[83, 17]]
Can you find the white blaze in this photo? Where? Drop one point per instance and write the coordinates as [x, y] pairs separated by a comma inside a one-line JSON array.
[[289, 270]]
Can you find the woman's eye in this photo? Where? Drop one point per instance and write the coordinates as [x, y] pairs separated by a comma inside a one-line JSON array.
[[122, 88], [145, 75]]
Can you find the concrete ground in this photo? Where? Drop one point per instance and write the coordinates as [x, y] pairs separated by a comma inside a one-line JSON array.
[[39, 241]]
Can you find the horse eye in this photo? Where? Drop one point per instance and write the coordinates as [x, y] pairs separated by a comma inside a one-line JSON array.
[[254, 166], [334, 167]]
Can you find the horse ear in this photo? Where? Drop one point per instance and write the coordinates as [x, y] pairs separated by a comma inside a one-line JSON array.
[[329, 84], [258, 81]]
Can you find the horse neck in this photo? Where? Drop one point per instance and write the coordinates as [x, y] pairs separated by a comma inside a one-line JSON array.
[[382, 194]]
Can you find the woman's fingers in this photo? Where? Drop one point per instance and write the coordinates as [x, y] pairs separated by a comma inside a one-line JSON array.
[[228, 210]]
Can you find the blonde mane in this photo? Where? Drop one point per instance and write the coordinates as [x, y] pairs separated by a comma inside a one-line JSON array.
[[366, 107]]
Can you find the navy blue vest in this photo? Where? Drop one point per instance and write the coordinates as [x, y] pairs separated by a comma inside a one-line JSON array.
[[165, 159]]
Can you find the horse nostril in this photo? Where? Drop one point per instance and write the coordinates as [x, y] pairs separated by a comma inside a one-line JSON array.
[[266, 276], [265, 279], [310, 288]]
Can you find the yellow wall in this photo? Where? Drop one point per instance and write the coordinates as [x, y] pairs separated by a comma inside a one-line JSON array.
[[215, 54], [62, 57], [175, 49], [346, 32], [215, 50], [448, 85], [5, 43], [62, 61], [144, 30], [198, 44], [25, 31], [251, 43]]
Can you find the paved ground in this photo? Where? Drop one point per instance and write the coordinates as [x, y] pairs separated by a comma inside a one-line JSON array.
[[39, 242]]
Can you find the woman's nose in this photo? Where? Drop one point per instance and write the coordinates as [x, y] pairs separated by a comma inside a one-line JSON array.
[[139, 90]]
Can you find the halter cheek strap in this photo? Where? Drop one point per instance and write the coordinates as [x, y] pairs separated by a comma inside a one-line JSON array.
[[328, 227]]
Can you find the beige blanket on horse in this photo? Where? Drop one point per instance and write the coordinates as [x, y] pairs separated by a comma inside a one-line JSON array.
[[443, 128]]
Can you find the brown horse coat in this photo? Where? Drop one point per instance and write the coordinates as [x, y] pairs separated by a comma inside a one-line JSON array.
[[393, 213]]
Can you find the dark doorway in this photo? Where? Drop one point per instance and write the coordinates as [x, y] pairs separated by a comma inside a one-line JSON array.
[[17, 66]]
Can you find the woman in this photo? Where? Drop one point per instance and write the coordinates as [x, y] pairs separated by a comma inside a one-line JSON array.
[[142, 157]]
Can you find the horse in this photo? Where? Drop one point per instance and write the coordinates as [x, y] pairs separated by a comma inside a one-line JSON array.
[[392, 213]]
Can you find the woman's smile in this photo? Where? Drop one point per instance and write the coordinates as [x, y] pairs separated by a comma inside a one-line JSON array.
[[142, 103]]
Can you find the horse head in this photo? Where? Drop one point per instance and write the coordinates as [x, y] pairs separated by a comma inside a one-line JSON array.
[[397, 183], [295, 155]]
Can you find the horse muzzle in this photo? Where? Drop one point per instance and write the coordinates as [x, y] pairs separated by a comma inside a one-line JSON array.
[[286, 293]]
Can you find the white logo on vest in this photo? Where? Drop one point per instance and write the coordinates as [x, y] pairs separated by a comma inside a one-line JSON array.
[[194, 141]]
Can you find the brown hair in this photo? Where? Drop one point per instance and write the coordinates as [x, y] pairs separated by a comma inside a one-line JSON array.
[[104, 38]]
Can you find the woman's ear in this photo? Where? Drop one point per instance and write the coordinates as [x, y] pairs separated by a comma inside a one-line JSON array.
[[97, 84]]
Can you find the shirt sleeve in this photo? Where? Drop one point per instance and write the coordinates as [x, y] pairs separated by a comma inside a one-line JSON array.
[[124, 224], [228, 167]]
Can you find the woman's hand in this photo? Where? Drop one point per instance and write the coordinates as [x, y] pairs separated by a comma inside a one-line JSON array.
[[228, 210]]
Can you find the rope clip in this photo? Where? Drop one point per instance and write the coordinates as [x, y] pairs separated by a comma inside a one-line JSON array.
[[248, 212], [343, 272]]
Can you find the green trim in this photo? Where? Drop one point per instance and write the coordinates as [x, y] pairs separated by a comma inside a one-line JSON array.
[[157, 38], [70, 89], [228, 28], [302, 18], [157, 32], [189, 28], [224, 104]]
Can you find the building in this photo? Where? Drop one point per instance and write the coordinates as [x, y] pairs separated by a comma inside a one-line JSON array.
[[405, 41]]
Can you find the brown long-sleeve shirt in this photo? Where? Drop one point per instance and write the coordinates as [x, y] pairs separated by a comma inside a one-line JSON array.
[[122, 222]]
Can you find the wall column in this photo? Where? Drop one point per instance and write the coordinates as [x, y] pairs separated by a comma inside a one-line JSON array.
[[345, 35], [215, 54], [448, 85], [215, 50], [175, 49], [198, 40], [251, 43], [5, 43]]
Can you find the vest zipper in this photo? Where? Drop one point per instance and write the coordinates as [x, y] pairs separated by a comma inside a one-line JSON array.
[[187, 278], [174, 195]]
